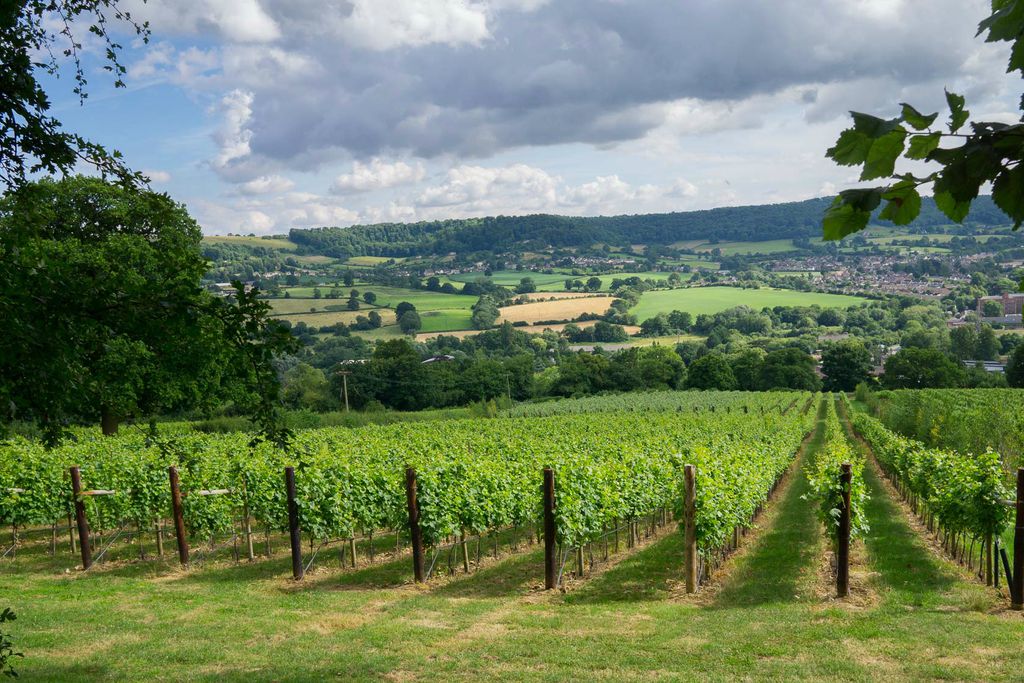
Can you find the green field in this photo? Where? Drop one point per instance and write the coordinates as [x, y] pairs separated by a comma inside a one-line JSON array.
[[388, 297], [734, 248], [280, 243], [697, 300], [768, 615], [372, 260], [445, 320]]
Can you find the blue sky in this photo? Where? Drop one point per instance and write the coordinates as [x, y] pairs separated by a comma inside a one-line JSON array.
[[263, 115]]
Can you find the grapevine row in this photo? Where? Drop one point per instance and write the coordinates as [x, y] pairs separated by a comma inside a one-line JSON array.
[[473, 476]]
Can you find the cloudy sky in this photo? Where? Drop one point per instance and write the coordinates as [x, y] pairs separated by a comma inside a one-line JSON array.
[[262, 115]]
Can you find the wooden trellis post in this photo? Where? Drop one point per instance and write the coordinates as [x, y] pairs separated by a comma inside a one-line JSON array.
[[414, 524], [293, 524], [550, 556], [690, 536], [843, 535], [179, 516], [83, 523]]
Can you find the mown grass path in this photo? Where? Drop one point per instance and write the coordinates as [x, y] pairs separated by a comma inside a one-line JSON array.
[[767, 621]]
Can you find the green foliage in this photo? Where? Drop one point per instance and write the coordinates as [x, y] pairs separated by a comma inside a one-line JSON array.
[[965, 492], [485, 313], [959, 420], [34, 36], [991, 153], [7, 652], [845, 365], [476, 475], [711, 372], [410, 322], [917, 368], [825, 473], [789, 369], [105, 317]]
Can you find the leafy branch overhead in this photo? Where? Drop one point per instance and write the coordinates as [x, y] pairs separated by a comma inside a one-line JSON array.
[[40, 36], [990, 153]]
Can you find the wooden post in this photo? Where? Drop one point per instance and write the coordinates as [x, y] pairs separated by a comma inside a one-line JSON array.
[[414, 524], [550, 556], [83, 523], [1017, 594], [293, 523], [843, 535], [465, 552], [179, 516], [690, 538]]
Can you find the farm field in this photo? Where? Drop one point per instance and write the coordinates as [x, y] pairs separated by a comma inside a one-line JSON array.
[[322, 318], [281, 243], [768, 615], [709, 300], [562, 309], [533, 329]]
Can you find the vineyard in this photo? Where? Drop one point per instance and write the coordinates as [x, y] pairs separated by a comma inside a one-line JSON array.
[[627, 503], [612, 469]]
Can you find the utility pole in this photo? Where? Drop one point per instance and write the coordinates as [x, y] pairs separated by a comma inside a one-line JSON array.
[[344, 378]]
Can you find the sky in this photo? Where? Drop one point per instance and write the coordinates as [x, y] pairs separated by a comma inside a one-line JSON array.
[[266, 115]]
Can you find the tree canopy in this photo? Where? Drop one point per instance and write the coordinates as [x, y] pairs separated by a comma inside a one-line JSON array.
[[34, 35], [105, 317]]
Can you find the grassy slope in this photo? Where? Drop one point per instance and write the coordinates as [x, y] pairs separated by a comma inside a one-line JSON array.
[[249, 622], [699, 300]]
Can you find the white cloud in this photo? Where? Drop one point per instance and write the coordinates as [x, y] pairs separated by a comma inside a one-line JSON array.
[[388, 24], [244, 21], [233, 136], [157, 176], [266, 184], [477, 188], [682, 188], [377, 175]]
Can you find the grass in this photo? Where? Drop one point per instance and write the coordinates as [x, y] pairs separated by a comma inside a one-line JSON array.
[[280, 243], [388, 297], [225, 622], [709, 300]]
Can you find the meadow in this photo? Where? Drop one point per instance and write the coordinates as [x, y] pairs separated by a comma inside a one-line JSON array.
[[709, 300]]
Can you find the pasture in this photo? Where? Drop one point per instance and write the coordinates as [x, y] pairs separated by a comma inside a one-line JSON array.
[[697, 300]]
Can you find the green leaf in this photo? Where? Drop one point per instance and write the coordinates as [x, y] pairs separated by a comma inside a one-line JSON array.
[[1016, 62], [851, 149], [1008, 194], [957, 114], [903, 203], [955, 209], [923, 145], [881, 161], [1005, 23], [872, 126], [850, 212], [916, 119]]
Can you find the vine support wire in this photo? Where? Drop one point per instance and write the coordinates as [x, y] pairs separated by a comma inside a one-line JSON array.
[[104, 549]]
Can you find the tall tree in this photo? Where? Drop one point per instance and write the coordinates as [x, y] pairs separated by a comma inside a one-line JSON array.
[[963, 342], [105, 317], [710, 372], [921, 369], [789, 369], [990, 152], [845, 365]]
